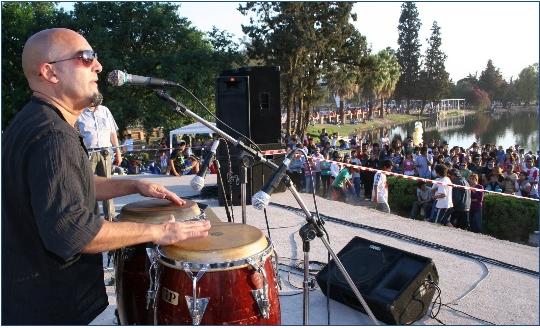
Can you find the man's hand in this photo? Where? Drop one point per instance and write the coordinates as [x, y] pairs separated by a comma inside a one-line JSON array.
[[150, 189], [172, 232], [118, 157]]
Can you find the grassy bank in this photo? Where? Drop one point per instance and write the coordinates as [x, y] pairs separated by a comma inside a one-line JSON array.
[[376, 123]]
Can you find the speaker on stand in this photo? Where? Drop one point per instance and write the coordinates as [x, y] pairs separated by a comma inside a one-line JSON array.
[[397, 285]]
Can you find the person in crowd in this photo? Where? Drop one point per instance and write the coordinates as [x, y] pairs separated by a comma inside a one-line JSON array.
[[477, 200], [52, 237], [464, 170], [334, 166], [509, 179], [164, 162], [423, 200], [99, 131], [493, 183], [311, 146], [325, 175], [295, 170], [409, 168], [317, 159], [128, 143], [523, 186], [180, 163], [368, 175], [379, 195], [442, 194], [341, 184], [423, 165], [461, 199], [532, 175], [357, 181], [439, 160]]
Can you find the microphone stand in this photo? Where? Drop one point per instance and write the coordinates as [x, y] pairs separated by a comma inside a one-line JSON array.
[[312, 223]]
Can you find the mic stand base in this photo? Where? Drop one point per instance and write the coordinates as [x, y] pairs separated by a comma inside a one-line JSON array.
[[316, 225], [308, 233]]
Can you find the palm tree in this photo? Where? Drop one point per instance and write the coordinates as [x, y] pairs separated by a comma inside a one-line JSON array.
[[390, 73], [342, 82]]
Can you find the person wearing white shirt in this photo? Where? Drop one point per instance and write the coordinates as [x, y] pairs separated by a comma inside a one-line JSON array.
[[128, 143], [443, 196], [98, 129], [379, 195]]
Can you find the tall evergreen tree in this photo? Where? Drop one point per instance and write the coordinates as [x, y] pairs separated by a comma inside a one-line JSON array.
[[434, 79], [491, 81], [408, 53], [527, 84]]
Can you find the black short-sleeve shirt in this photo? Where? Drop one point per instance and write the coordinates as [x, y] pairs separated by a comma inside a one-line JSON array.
[[48, 202]]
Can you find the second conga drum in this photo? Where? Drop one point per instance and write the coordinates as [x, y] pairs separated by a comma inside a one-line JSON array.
[[132, 264], [226, 278]]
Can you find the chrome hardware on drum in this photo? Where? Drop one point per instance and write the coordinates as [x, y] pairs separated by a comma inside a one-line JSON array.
[[136, 265], [225, 278]]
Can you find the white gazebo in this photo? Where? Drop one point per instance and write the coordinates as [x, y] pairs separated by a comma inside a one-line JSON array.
[[195, 128]]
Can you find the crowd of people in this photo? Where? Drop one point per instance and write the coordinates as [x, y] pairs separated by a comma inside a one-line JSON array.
[[482, 166]]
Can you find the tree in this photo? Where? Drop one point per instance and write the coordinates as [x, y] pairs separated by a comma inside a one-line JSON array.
[[491, 81], [527, 84], [408, 53], [434, 79], [305, 39], [20, 20]]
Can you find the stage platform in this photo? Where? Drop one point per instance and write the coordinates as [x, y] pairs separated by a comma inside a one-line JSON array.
[[486, 293]]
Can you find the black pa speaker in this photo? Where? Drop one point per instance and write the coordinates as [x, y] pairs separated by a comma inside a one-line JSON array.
[[397, 285], [248, 99], [257, 173]]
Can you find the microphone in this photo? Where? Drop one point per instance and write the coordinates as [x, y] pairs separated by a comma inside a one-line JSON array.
[[118, 78], [261, 199], [197, 183]]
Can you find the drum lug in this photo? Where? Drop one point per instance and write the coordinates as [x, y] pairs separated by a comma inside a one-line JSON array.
[[152, 288], [261, 295], [196, 306]]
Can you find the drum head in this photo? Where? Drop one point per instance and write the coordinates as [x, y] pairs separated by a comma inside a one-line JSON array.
[[226, 242], [158, 211]]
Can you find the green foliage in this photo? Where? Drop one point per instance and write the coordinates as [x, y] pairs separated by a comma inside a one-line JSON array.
[[503, 217], [401, 195], [146, 38], [408, 53], [434, 80], [491, 81], [527, 84], [509, 218]]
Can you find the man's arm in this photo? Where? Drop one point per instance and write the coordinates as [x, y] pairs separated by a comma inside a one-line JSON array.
[[116, 145], [113, 235], [111, 188]]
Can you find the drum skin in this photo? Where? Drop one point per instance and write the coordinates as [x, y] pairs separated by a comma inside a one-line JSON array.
[[132, 264], [228, 288]]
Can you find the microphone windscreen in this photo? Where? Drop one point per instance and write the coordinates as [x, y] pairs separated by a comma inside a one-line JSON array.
[[197, 183], [260, 200], [116, 78]]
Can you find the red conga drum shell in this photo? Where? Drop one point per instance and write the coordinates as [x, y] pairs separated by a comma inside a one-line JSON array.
[[132, 264], [228, 282]]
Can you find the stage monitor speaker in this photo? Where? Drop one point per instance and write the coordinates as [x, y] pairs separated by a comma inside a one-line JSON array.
[[248, 99], [257, 174], [397, 285]]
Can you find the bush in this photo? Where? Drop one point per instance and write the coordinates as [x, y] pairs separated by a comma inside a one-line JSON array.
[[504, 217], [510, 218]]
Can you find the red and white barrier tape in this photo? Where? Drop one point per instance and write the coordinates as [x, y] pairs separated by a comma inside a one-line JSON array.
[[408, 177]]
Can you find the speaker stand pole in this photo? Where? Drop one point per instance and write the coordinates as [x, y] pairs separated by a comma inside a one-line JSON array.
[[316, 225], [308, 233], [220, 179]]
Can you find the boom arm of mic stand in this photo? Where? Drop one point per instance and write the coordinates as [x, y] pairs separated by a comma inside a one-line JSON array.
[[318, 229], [181, 108]]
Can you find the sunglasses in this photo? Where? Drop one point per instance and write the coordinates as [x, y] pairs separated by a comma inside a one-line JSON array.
[[86, 57]]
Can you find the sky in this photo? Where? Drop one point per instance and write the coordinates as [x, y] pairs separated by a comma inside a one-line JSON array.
[[472, 33]]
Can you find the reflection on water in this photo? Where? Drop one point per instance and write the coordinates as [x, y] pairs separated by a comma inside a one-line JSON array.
[[502, 129]]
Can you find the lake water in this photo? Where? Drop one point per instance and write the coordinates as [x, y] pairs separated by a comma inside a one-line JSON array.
[[502, 129]]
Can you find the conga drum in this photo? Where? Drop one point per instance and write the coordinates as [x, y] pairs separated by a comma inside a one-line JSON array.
[[226, 278], [132, 264]]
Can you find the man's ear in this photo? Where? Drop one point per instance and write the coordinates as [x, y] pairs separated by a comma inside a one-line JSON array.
[[46, 71]]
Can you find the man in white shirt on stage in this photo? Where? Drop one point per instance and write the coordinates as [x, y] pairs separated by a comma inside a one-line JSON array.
[[98, 129]]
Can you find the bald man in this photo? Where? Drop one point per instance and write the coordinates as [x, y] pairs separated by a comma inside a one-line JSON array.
[[52, 239]]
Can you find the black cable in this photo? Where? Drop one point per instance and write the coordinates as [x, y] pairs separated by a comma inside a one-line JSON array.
[[229, 175], [266, 220], [420, 242]]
